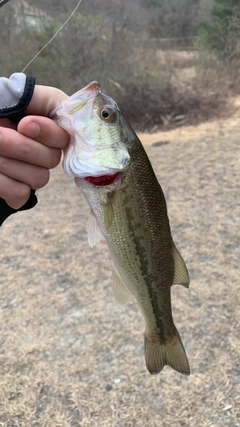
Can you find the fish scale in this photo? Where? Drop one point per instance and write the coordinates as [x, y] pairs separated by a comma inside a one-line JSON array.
[[131, 214], [143, 254]]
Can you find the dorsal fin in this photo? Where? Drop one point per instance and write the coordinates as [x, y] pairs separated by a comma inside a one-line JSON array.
[[181, 276]]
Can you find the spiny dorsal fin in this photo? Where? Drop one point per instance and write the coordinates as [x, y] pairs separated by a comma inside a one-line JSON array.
[[181, 276], [120, 291], [93, 230]]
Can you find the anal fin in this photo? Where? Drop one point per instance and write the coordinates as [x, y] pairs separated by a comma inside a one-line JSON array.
[[181, 276]]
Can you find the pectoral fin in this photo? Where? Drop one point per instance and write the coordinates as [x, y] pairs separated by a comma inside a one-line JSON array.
[[181, 276], [93, 230], [120, 291], [108, 212]]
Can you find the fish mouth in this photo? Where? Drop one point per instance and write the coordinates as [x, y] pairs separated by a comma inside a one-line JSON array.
[[103, 180], [89, 91]]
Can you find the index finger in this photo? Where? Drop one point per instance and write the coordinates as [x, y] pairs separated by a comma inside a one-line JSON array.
[[14, 145], [6, 123], [43, 130]]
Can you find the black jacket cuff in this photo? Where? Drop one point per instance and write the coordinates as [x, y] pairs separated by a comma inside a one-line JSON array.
[[6, 211]]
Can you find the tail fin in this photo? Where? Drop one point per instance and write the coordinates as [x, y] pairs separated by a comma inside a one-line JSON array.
[[158, 355]]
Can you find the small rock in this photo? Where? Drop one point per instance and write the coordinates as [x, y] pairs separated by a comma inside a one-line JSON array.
[[160, 143], [108, 387], [227, 408]]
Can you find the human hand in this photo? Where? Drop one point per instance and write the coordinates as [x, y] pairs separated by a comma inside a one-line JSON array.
[[28, 152]]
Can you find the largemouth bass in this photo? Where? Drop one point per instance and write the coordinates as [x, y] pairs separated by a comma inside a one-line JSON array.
[[128, 208]]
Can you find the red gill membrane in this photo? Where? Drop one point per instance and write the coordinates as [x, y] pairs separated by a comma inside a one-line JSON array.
[[101, 181]]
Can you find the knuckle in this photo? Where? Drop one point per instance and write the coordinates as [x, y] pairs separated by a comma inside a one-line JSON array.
[[13, 144], [4, 162], [21, 192], [42, 178], [25, 149], [55, 158]]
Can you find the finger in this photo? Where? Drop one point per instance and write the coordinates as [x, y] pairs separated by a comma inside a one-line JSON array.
[[6, 123], [19, 147], [34, 176], [44, 100], [44, 130], [15, 193]]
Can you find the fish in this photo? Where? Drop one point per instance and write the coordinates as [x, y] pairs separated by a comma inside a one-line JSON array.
[[128, 208]]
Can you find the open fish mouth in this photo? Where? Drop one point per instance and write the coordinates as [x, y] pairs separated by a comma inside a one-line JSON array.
[[102, 181]]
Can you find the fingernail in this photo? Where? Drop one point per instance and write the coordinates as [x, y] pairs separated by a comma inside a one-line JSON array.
[[32, 130]]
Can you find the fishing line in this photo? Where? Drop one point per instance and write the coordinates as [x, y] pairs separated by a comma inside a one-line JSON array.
[[53, 37]]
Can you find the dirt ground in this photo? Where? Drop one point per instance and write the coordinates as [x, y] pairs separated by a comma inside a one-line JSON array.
[[70, 356]]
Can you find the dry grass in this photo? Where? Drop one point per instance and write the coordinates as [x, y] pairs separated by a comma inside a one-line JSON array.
[[178, 58], [70, 356], [172, 88]]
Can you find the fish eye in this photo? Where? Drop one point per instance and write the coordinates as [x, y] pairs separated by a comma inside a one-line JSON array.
[[108, 114]]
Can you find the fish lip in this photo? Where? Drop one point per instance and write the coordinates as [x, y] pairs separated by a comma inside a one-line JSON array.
[[91, 90], [103, 180], [82, 96]]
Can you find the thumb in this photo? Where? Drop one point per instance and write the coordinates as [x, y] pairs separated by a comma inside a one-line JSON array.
[[44, 100]]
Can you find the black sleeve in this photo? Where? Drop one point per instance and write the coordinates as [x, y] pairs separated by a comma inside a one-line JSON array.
[[15, 95], [6, 211]]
